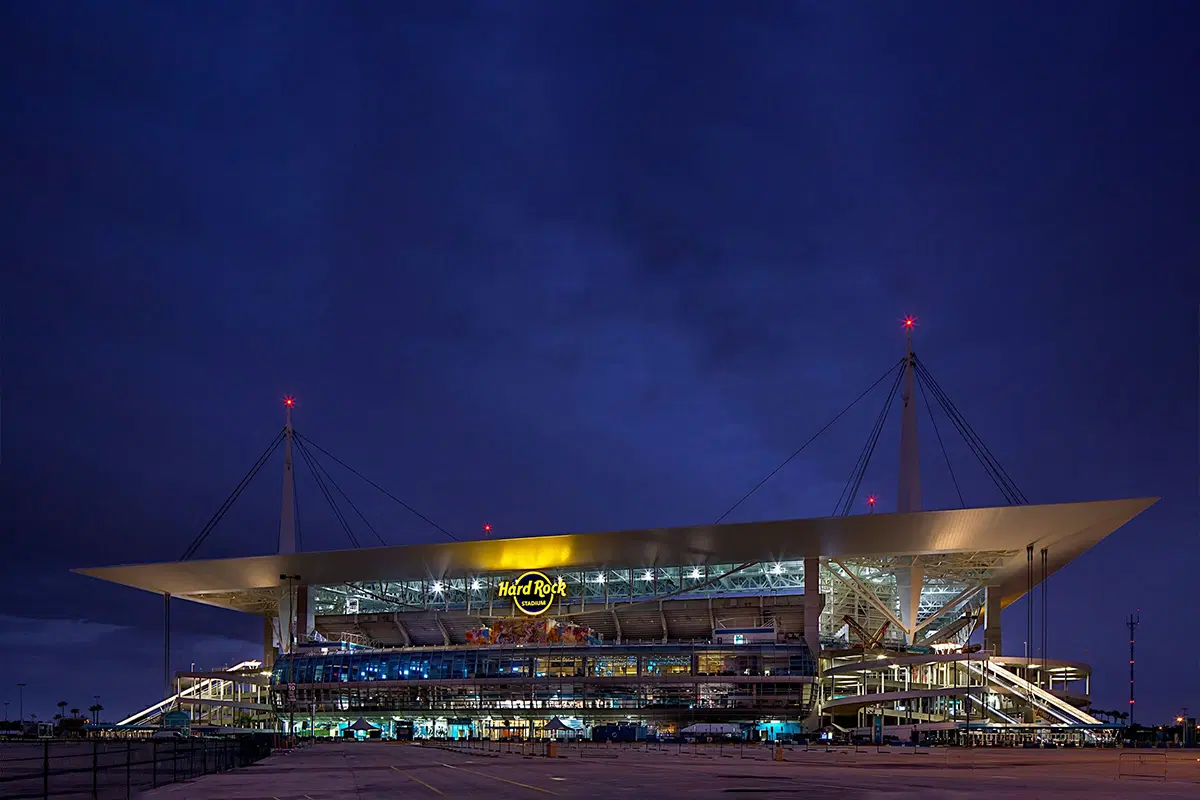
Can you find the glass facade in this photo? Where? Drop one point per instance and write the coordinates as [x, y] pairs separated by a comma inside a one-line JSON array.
[[661, 680]]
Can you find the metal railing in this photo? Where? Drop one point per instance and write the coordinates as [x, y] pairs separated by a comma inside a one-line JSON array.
[[118, 768], [1135, 764]]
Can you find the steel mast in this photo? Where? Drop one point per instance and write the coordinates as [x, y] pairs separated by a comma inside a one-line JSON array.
[[909, 579]]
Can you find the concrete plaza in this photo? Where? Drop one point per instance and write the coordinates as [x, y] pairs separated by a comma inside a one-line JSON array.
[[377, 770]]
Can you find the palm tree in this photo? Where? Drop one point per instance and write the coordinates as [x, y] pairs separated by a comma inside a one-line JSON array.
[[75, 713], [95, 708]]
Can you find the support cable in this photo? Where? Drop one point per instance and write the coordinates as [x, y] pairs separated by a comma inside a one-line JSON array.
[[991, 465], [999, 473], [232, 498], [1029, 620], [878, 430], [1045, 617], [334, 484], [976, 446], [296, 516], [352, 470], [337, 512], [933, 421], [862, 454], [811, 439], [854, 482]]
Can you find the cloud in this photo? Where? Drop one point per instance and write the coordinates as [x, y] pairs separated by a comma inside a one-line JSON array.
[[24, 632]]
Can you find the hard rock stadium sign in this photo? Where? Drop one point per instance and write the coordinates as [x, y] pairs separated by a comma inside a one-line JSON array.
[[533, 593]]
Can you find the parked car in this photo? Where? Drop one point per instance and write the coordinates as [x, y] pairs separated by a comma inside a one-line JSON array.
[[170, 734]]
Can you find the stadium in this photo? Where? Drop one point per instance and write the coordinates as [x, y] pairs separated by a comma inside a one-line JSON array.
[[856, 625]]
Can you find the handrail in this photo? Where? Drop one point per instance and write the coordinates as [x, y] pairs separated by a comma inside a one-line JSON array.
[[1065, 712], [191, 690]]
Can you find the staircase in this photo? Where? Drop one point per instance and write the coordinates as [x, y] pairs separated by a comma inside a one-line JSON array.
[[1053, 708]]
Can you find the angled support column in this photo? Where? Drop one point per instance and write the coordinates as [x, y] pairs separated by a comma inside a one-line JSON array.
[[862, 590], [908, 587]]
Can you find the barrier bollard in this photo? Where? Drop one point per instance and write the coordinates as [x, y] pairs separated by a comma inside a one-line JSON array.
[[779, 752]]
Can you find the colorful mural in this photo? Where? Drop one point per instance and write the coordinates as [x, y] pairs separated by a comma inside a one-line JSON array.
[[533, 631]]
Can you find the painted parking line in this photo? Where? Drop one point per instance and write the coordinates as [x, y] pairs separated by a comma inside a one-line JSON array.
[[502, 780], [423, 783]]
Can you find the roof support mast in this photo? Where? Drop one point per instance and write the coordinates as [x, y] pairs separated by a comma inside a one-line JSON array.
[[909, 579], [287, 512], [287, 531]]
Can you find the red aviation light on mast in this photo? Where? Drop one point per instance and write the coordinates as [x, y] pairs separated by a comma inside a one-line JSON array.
[[871, 504], [910, 322], [487, 529], [289, 401]]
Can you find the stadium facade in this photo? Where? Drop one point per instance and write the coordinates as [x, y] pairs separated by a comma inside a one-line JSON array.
[[862, 622]]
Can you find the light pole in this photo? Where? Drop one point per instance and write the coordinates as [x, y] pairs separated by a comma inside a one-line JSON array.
[[6, 711], [97, 708], [21, 703], [291, 654]]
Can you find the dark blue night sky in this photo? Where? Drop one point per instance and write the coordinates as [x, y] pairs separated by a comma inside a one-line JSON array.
[[584, 266]]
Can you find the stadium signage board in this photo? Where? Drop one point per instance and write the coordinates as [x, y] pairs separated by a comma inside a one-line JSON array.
[[533, 593]]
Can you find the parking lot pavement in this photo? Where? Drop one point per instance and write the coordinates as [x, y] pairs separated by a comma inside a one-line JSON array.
[[372, 770]]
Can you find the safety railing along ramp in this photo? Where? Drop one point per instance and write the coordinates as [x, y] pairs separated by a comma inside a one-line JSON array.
[[197, 689], [1056, 707]]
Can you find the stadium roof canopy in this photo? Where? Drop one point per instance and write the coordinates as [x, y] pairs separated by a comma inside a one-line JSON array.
[[1065, 529]]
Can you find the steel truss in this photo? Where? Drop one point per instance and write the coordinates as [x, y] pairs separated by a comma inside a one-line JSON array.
[[862, 588]]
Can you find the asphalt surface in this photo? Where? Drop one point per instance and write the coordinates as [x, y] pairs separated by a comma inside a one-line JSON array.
[[387, 770]]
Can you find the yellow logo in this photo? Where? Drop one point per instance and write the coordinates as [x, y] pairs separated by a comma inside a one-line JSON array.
[[533, 593]]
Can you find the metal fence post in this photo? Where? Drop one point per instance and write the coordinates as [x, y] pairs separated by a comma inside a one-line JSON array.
[[153, 764], [128, 769], [95, 768], [45, 769]]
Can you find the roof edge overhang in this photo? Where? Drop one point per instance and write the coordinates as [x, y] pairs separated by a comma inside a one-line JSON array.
[[1065, 529]]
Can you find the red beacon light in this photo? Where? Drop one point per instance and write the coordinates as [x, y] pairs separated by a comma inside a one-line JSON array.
[[289, 401], [871, 500], [487, 528], [910, 322]]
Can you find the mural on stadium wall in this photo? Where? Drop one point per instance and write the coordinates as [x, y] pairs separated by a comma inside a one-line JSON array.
[[533, 631]]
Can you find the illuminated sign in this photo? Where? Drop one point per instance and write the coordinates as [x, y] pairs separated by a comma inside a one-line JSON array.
[[533, 593]]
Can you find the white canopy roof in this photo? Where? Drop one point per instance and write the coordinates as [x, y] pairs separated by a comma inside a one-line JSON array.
[[1066, 529]]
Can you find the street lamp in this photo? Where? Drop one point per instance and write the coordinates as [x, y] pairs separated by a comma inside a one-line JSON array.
[[291, 654], [21, 706]]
